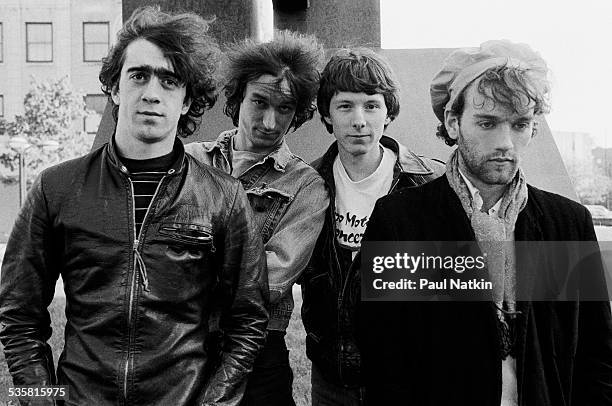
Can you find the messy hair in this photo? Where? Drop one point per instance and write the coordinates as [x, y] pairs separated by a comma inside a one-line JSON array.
[[358, 70], [514, 88], [289, 56], [183, 40]]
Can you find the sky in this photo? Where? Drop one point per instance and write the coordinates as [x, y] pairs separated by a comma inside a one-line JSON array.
[[574, 37]]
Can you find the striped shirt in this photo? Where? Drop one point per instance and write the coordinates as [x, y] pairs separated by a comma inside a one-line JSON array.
[[146, 175]]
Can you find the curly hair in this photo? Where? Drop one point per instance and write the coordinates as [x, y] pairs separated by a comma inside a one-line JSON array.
[[358, 70], [183, 40], [289, 56], [512, 87]]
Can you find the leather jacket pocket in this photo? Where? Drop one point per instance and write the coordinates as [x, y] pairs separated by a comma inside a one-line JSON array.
[[192, 241], [269, 204]]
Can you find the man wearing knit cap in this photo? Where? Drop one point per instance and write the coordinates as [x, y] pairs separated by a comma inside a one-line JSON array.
[[510, 348]]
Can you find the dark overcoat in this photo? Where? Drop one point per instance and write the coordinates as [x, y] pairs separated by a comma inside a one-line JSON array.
[[448, 353]]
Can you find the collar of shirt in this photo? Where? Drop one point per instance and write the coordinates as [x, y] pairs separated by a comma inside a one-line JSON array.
[[280, 156], [477, 199]]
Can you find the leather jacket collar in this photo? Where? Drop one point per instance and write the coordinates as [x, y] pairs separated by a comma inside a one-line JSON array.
[[407, 161], [177, 167]]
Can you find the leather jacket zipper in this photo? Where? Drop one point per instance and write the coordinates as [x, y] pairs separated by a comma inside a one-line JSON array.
[[141, 271], [395, 182], [338, 314], [332, 199]]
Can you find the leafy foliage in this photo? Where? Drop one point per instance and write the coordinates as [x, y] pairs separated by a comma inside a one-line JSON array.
[[590, 182], [50, 110]]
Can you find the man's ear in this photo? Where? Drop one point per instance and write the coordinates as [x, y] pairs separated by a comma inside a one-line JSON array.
[[115, 94], [186, 106], [387, 120], [451, 122], [327, 120]]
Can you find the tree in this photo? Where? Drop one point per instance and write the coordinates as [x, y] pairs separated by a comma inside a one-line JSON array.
[[50, 110], [591, 184]]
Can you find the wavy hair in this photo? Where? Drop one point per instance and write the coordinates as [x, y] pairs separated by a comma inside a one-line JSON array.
[[289, 56], [358, 70], [514, 88], [193, 54]]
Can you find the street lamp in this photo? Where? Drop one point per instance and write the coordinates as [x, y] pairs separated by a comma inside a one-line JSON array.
[[21, 145]]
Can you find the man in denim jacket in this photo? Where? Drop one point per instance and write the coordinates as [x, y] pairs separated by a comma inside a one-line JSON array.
[[270, 88], [357, 99]]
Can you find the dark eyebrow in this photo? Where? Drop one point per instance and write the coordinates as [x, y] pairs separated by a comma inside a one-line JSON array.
[[526, 117], [284, 99], [260, 95], [288, 100], [486, 117], [492, 117], [159, 72]]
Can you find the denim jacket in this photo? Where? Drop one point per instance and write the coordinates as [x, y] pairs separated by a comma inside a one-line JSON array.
[[289, 200], [330, 286]]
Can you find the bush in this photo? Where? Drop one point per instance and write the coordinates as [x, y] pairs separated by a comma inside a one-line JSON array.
[[50, 111]]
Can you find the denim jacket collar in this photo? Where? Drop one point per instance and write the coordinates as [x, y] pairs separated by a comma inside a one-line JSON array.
[[281, 156], [177, 166]]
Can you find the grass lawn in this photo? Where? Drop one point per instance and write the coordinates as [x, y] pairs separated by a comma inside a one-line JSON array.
[[295, 341], [58, 320]]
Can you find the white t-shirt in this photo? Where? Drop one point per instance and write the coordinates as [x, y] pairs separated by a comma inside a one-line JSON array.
[[242, 161], [477, 199], [355, 200]]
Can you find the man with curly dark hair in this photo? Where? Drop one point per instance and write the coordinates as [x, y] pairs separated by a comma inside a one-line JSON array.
[[270, 89], [148, 242]]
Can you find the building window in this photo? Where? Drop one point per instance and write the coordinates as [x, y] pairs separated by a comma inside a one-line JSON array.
[[95, 105], [95, 41], [39, 42], [1, 43], [1, 105]]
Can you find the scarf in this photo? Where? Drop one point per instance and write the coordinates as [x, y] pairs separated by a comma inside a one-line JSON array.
[[495, 237]]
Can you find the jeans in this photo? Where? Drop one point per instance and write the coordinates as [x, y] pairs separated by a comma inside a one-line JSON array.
[[325, 393], [271, 382]]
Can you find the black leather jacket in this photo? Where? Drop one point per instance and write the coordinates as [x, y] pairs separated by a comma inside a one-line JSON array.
[[330, 286], [137, 309]]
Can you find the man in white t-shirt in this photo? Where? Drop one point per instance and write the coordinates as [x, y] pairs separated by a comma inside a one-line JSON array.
[[358, 97]]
